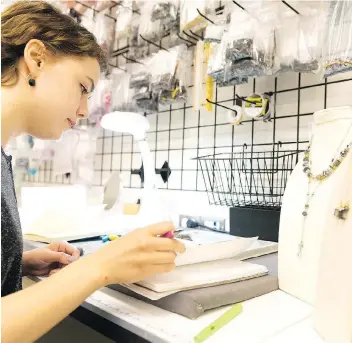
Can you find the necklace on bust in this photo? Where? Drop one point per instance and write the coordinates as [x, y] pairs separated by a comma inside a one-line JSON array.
[[320, 178]]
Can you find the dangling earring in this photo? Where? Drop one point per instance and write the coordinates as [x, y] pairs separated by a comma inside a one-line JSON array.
[[31, 81]]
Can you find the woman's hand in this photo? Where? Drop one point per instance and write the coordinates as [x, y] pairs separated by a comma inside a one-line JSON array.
[[48, 259], [137, 255]]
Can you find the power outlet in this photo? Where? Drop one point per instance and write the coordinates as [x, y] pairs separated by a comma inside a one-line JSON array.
[[208, 221], [202, 220]]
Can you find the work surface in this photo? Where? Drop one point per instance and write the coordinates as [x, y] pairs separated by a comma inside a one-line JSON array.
[[272, 318]]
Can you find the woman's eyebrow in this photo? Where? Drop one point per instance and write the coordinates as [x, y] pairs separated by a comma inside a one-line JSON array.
[[93, 85]]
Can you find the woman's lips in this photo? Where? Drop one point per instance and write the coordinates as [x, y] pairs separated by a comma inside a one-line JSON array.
[[71, 122]]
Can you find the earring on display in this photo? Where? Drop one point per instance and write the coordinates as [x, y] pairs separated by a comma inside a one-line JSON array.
[[342, 211]]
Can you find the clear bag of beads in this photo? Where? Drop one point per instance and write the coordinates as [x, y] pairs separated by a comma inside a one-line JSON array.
[[104, 32], [214, 33], [309, 44], [251, 43], [229, 77], [139, 49], [158, 18], [217, 59], [124, 15], [338, 38], [164, 66], [121, 92], [286, 33], [177, 93], [142, 97], [240, 36]]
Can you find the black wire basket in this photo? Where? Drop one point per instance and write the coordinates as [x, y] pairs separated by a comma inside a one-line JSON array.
[[248, 178]]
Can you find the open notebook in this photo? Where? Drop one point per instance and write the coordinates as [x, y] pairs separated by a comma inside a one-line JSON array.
[[61, 223]]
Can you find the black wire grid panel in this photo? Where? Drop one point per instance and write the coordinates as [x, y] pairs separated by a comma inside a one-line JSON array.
[[252, 176], [247, 178]]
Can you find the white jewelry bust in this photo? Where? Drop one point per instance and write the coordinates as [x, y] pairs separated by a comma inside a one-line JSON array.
[[298, 275], [332, 317]]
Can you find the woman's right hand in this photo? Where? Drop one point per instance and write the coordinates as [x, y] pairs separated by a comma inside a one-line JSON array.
[[137, 255]]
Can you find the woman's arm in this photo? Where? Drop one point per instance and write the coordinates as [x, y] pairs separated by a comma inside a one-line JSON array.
[[29, 314]]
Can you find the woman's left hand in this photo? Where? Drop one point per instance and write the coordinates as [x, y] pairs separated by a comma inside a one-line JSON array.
[[48, 259]]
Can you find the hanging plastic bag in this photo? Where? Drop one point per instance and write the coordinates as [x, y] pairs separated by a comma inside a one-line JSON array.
[[139, 49], [338, 40], [100, 102], [101, 5], [121, 92], [158, 18], [124, 19], [287, 37], [217, 59], [83, 159], [214, 33], [64, 151], [163, 69], [177, 92], [240, 36], [309, 45], [251, 45], [140, 85], [104, 32]]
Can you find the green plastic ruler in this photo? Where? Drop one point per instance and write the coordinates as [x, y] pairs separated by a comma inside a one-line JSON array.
[[233, 312]]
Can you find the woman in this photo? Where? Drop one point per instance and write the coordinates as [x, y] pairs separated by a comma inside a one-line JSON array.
[[50, 66]]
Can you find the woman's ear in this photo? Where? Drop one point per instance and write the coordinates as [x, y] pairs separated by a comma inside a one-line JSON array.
[[34, 56]]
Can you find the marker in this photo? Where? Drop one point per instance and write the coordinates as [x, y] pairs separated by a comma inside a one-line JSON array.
[[113, 237], [232, 313], [105, 239], [168, 234]]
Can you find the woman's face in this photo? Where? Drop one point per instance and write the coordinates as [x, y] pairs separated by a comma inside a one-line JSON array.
[[60, 96]]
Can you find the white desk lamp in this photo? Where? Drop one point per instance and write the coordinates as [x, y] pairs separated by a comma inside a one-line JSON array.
[[137, 125]]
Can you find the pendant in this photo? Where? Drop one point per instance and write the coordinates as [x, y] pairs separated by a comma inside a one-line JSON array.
[[342, 211], [300, 248]]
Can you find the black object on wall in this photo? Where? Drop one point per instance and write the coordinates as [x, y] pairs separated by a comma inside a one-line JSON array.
[[252, 222]]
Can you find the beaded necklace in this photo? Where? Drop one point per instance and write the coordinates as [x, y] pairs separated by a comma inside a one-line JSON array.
[[307, 169]]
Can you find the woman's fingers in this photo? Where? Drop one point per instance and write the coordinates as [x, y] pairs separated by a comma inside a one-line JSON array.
[[63, 246], [159, 229], [164, 244], [155, 258]]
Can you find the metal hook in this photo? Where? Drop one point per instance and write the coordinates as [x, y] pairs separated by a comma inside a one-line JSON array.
[[183, 31], [237, 4], [131, 60], [290, 7], [194, 34], [192, 43], [206, 18], [216, 104], [152, 43]]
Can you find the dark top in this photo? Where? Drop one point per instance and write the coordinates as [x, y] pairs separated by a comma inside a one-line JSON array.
[[11, 233]]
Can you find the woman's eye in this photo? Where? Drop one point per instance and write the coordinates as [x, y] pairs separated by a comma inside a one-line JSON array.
[[84, 90]]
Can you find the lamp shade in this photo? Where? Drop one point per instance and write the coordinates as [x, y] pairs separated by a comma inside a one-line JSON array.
[[126, 122]]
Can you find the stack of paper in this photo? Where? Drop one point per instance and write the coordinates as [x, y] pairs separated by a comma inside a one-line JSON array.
[[193, 276]]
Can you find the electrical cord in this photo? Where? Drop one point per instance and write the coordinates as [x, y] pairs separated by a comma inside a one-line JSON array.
[[192, 224]]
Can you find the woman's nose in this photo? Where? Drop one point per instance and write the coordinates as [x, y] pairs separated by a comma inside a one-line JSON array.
[[82, 112]]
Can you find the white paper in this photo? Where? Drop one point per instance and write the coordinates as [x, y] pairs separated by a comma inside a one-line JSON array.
[[203, 274], [212, 250]]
